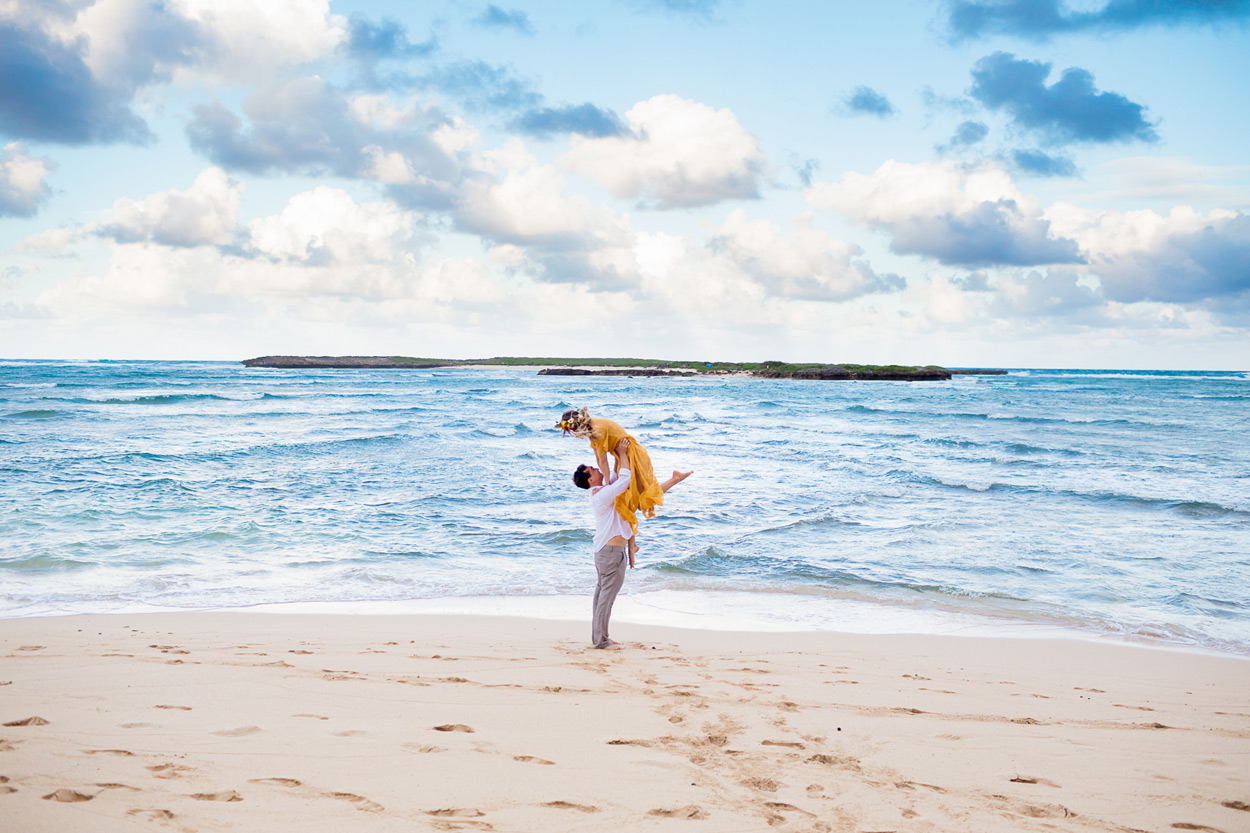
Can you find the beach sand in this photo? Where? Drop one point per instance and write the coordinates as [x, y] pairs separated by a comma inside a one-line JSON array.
[[293, 722]]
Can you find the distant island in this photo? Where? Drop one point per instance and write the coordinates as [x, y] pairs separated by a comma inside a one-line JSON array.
[[633, 367]]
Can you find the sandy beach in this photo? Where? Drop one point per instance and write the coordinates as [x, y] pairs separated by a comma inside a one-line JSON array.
[[254, 721]]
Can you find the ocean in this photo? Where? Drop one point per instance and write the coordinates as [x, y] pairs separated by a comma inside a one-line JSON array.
[[1087, 504]]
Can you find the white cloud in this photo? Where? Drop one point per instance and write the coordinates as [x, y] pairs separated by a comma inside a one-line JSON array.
[[55, 242], [380, 112], [954, 213], [678, 153], [554, 236], [1035, 295], [204, 214], [326, 226], [144, 279], [23, 181], [807, 263], [455, 135], [228, 40], [1181, 256]]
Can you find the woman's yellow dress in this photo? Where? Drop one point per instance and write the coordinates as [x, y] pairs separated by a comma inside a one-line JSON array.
[[644, 492]]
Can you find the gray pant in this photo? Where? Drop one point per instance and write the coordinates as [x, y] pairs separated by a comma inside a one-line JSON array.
[[610, 564]]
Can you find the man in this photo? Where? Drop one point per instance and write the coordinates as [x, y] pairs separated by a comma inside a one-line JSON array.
[[612, 534]]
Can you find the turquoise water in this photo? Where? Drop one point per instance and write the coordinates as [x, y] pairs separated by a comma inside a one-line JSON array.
[[1092, 502]]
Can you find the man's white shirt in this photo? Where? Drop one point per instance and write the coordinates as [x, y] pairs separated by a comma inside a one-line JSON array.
[[609, 524]]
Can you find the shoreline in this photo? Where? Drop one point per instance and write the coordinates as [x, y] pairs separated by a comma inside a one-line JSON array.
[[723, 612], [210, 721]]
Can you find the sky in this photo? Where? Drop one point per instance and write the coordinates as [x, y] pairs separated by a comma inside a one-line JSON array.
[[999, 183]]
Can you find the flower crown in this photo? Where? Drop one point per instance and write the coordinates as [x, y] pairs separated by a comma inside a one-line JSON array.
[[576, 423]]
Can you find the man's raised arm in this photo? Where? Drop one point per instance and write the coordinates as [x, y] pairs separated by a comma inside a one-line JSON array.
[[624, 476]]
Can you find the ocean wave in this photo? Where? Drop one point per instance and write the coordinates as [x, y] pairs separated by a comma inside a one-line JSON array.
[[1210, 606], [320, 446], [763, 572], [561, 536], [162, 399], [44, 562], [987, 416], [818, 522], [36, 413], [501, 433], [950, 482]]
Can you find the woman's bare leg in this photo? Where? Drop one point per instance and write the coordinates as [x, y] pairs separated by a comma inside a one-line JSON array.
[[677, 477]]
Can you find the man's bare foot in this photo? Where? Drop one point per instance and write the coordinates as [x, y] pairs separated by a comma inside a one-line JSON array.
[[612, 646]]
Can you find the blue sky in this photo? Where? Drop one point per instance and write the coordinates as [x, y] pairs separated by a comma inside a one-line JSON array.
[[1022, 183]]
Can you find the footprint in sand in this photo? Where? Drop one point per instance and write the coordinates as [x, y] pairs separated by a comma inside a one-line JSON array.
[[786, 743], [691, 811], [423, 748], [569, 805], [763, 784], [5, 789], [299, 652], [1028, 779], [1184, 825], [179, 708], [1056, 811], [359, 802], [242, 731], [229, 795], [67, 795], [168, 770], [455, 813], [1236, 805], [350, 733], [112, 786], [151, 815], [454, 727], [125, 753], [782, 807], [281, 782], [530, 759], [314, 716], [28, 721]]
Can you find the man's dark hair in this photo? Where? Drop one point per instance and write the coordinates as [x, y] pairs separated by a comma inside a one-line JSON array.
[[581, 476]]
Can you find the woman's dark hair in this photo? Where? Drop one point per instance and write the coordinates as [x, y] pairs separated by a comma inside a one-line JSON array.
[[581, 476]]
